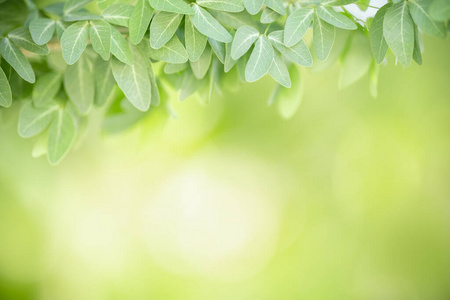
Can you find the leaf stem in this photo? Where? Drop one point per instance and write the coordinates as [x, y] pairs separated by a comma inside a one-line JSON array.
[[267, 29]]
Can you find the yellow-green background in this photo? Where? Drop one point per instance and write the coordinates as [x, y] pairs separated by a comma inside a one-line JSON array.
[[350, 199]]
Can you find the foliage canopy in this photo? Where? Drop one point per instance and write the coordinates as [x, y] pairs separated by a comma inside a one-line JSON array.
[[60, 60]]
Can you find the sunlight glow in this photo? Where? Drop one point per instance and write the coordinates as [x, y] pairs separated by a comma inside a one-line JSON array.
[[211, 226]]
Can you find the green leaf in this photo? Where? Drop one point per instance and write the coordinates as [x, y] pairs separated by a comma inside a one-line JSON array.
[[54, 9], [29, 3], [104, 82], [377, 42], [21, 37], [440, 10], [340, 45], [260, 60], [229, 61], [276, 5], [243, 39], [374, 74], [233, 20], [364, 5], [103, 4], [46, 88], [241, 65], [332, 17], [417, 53], [120, 47], [338, 2], [253, 6], [175, 6], [74, 5], [61, 135], [297, 24], [218, 48], [139, 21], [79, 85], [56, 61], [209, 26], [33, 15], [40, 146], [269, 16], [223, 5], [13, 13], [118, 14], [60, 28], [323, 37], [42, 30], [124, 119], [33, 120], [190, 85], [419, 12], [81, 16], [288, 100], [133, 80], [74, 40], [398, 31], [298, 54], [100, 34], [194, 40], [201, 66], [17, 60], [5, 90], [172, 52], [163, 28], [154, 95], [174, 68], [215, 81], [20, 88], [356, 61], [279, 71]]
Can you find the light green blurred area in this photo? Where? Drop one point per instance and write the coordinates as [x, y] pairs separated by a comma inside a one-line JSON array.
[[350, 199]]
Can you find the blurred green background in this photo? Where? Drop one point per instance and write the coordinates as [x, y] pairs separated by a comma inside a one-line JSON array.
[[347, 200]]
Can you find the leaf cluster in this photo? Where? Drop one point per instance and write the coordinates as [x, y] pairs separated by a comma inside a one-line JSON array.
[[61, 60]]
